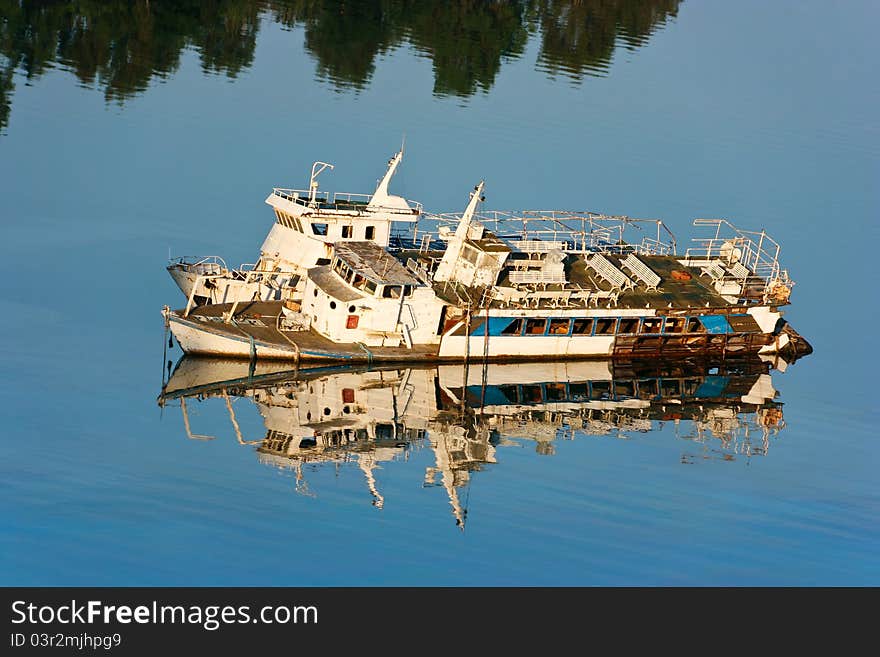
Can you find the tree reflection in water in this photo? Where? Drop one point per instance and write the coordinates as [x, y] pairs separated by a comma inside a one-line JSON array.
[[121, 46]]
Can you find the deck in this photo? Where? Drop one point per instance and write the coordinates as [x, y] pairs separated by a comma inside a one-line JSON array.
[[258, 320]]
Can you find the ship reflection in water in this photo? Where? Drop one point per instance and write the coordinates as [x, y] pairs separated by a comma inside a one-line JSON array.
[[367, 416]]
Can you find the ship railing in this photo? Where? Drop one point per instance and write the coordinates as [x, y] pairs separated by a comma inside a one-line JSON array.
[[342, 200], [209, 264], [754, 250], [580, 232], [419, 271]]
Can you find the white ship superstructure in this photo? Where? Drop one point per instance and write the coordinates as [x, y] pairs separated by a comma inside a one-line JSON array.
[[308, 222]]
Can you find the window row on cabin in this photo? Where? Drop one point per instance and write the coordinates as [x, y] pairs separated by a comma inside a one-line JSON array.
[[360, 282], [317, 228], [536, 393], [501, 326]]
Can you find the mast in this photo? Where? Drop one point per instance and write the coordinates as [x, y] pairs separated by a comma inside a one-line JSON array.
[[381, 197], [446, 268]]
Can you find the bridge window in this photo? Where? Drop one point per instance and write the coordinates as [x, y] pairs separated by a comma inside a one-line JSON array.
[[319, 229], [535, 326], [391, 291], [674, 325], [514, 328], [370, 287]]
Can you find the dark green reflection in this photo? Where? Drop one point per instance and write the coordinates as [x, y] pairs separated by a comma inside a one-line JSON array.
[[121, 46]]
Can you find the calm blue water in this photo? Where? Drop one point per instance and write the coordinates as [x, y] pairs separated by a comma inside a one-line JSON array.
[[761, 113]]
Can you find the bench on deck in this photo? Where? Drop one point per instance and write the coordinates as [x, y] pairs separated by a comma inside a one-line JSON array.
[[539, 246], [537, 276], [714, 270], [641, 271], [739, 271], [606, 270]]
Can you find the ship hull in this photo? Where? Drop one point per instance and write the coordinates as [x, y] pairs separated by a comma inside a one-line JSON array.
[[257, 337]]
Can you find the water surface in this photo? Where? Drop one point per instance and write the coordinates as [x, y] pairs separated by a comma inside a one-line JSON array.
[[135, 130]]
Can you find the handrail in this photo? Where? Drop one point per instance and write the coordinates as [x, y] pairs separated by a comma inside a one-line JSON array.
[[195, 261], [756, 250], [584, 232], [302, 197]]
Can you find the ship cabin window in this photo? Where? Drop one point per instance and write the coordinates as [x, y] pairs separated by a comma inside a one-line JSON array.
[[470, 254], [652, 324], [319, 229], [286, 220], [536, 326], [606, 325], [559, 326], [582, 327], [578, 391], [346, 231], [342, 270], [556, 392], [628, 325], [510, 393], [370, 287], [514, 328], [648, 388], [359, 281], [370, 232], [601, 390], [695, 326], [674, 325], [624, 389], [670, 388], [393, 291], [532, 394]]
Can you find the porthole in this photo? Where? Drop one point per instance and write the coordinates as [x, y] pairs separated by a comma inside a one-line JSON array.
[[351, 309], [316, 291], [326, 410], [332, 305]]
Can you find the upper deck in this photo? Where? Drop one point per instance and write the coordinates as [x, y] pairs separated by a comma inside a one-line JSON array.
[[571, 258], [347, 204]]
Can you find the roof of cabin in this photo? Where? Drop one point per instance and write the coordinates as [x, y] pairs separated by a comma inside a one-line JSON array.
[[374, 262], [489, 245], [325, 279]]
